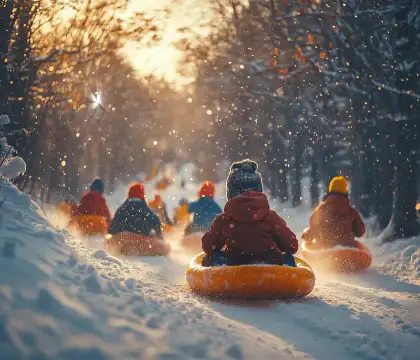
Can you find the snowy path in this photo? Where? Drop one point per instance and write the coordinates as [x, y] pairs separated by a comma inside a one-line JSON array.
[[365, 316], [362, 316], [61, 299]]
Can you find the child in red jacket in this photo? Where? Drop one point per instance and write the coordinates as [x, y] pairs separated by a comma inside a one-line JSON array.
[[94, 203], [334, 222], [248, 231]]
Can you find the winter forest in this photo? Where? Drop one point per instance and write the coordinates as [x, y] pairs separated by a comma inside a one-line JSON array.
[[306, 88], [209, 179]]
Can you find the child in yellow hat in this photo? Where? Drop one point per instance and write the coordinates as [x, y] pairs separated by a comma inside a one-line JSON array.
[[334, 222]]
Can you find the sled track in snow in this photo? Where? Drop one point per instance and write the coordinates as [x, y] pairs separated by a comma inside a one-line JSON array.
[[367, 316], [361, 316]]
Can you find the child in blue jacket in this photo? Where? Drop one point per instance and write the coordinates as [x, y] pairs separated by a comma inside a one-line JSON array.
[[204, 209]]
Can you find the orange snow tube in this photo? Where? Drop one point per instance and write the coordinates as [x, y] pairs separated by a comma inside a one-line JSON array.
[[167, 228], [343, 260], [66, 208], [163, 184], [251, 281], [89, 225], [192, 242], [130, 244]]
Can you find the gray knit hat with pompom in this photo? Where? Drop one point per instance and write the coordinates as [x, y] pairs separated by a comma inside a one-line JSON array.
[[243, 177]]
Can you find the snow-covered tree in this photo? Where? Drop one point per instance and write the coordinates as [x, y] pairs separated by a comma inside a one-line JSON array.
[[10, 166]]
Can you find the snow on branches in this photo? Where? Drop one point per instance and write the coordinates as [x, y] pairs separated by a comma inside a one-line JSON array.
[[10, 166]]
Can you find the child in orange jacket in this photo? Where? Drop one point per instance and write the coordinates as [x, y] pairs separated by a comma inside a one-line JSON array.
[[159, 207]]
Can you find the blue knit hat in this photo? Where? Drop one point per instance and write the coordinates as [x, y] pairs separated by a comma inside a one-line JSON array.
[[98, 186], [243, 177]]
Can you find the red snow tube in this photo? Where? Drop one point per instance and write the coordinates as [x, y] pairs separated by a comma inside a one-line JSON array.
[[130, 244], [192, 242], [89, 225], [343, 260]]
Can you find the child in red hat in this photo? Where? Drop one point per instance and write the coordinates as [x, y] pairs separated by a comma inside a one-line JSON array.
[[135, 215], [204, 209]]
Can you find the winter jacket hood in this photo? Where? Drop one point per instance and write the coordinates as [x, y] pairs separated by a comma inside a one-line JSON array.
[[341, 202], [248, 207], [249, 229]]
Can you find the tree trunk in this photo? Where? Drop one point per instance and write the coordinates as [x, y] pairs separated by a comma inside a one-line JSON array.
[[296, 173], [7, 23], [367, 165], [314, 180], [383, 176], [328, 170], [283, 185], [21, 55], [279, 171], [103, 159], [404, 221], [271, 180]]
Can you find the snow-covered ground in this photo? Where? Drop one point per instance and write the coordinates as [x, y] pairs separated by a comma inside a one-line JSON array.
[[62, 299]]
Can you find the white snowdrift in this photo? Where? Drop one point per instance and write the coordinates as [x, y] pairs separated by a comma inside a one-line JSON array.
[[370, 315], [13, 168], [62, 300], [401, 259], [58, 300]]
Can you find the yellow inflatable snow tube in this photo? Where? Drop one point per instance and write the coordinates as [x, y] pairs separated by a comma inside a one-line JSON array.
[[66, 208], [166, 228], [344, 260], [89, 225], [250, 281], [130, 244]]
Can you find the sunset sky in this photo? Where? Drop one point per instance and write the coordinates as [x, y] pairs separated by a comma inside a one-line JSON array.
[[162, 59]]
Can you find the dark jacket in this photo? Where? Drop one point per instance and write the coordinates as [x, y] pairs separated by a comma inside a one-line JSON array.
[[334, 222], [136, 217], [205, 210], [249, 229], [93, 203]]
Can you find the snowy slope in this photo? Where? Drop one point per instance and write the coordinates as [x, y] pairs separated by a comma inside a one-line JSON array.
[[59, 300], [347, 317], [63, 300], [401, 259]]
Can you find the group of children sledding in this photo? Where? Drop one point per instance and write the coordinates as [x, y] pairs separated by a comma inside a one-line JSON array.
[[247, 231]]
